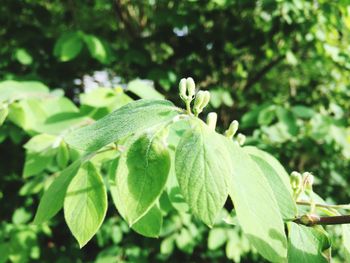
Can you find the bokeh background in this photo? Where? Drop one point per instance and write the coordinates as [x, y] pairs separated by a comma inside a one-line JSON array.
[[279, 67]]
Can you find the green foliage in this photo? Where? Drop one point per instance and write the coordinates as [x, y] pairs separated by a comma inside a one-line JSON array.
[[286, 82]]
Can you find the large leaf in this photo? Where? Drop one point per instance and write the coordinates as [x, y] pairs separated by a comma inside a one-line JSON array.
[[278, 179], [307, 244], [131, 118], [141, 175], [202, 168], [256, 207], [85, 204], [52, 200]]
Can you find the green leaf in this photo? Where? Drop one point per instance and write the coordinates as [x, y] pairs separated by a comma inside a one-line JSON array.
[[141, 176], [256, 207], [307, 244], [4, 111], [217, 238], [303, 111], [150, 224], [202, 167], [131, 118], [62, 156], [23, 57], [144, 89], [52, 200], [11, 90], [96, 48], [278, 179], [346, 240], [85, 204], [68, 46]]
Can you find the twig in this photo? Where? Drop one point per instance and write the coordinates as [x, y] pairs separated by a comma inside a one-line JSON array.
[[311, 220]]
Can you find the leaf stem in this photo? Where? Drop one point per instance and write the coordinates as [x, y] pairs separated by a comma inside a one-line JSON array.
[[343, 206]]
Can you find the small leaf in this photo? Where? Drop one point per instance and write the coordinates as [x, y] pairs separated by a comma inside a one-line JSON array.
[[307, 244], [131, 118], [96, 48], [85, 204], [52, 200], [256, 207], [23, 57], [144, 89], [278, 179], [217, 238], [150, 224], [68, 46], [202, 167], [141, 176]]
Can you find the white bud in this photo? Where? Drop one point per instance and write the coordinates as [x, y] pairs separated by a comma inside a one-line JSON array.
[[191, 87], [241, 139], [211, 120], [232, 129], [183, 89]]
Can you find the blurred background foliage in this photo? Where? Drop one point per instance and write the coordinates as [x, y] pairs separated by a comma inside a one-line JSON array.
[[280, 67]]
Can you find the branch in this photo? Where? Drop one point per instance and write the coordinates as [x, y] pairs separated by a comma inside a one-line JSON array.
[[125, 18], [311, 220], [262, 72], [347, 206]]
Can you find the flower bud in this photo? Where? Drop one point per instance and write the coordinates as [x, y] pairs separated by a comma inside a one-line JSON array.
[[295, 181], [201, 100], [183, 89], [308, 181], [232, 129], [241, 139], [191, 87], [211, 120]]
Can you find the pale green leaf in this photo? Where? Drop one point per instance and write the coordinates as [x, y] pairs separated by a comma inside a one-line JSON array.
[[141, 176], [131, 118], [144, 89], [256, 207], [150, 224], [52, 200], [346, 240], [85, 204], [307, 244], [11, 90], [3, 112], [202, 167], [277, 178], [217, 238], [23, 56]]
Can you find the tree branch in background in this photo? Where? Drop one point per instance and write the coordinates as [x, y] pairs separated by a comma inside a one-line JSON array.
[[251, 81], [125, 18]]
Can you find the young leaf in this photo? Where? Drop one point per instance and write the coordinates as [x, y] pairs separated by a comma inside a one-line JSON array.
[[150, 224], [256, 207], [307, 244], [131, 118], [202, 167], [141, 176], [85, 204], [278, 179], [52, 200]]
